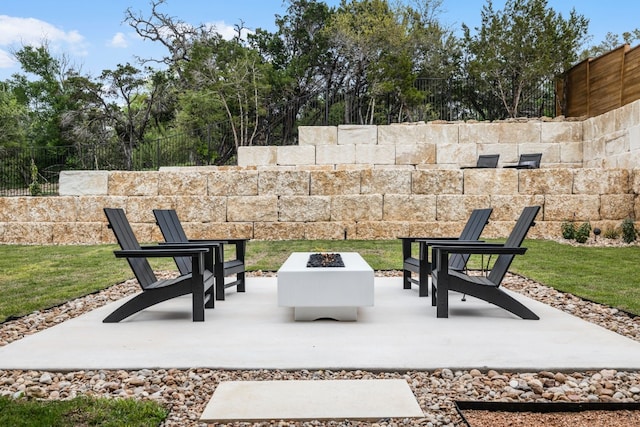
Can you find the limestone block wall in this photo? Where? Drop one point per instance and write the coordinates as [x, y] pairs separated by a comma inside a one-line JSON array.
[[362, 182], [319, 202], [611, 140], [433, 145]]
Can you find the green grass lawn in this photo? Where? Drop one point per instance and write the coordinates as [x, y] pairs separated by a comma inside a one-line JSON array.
[[81, 411]]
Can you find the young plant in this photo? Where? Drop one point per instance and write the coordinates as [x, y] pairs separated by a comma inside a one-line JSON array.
[[612, 233], [583, 232], [629, 232], [568, 228], [34, 188]]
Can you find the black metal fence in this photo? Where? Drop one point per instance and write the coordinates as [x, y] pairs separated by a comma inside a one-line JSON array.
[[35, 170]]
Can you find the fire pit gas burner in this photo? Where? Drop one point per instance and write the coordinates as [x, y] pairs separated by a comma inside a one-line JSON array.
[[325, 260]]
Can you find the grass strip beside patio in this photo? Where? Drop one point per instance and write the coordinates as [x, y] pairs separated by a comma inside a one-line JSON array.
[[81, 411]]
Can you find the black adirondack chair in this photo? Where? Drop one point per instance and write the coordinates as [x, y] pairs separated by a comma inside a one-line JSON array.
[[485, 161], [528, 161], [199, 282], [422, 265], [487, 288], [173, 233]]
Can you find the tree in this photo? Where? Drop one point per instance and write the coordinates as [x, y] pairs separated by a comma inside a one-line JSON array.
[[302, 63], [128, 100], [44, 92], [118, 108], [611, 42], [175, 35], [371, 40], [232, 76], [515, 50], [14, 118]]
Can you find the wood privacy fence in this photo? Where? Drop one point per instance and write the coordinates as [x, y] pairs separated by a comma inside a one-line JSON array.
[[598, 85]]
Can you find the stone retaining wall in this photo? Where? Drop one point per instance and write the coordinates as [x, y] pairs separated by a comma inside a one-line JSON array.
[[610, 141], [362, 182], [319, 202]]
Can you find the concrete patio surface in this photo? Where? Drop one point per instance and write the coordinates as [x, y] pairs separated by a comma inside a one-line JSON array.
[[400, 332]]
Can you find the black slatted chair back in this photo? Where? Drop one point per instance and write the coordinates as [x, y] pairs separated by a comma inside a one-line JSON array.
[[172, 231], [488, 161], [121, 228], [478, 219], [515, 239], [530, 160]]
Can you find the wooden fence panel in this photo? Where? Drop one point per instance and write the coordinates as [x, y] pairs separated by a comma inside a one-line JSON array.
[[631, 76], [576, 90], [595, 86], [605, 82]]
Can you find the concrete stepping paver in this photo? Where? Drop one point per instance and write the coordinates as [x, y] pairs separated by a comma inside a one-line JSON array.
[[311, 400]]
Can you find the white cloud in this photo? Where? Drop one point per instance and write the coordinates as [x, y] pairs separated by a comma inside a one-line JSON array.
[[6, 60], [228, 31], [31, 31], [119, 40]]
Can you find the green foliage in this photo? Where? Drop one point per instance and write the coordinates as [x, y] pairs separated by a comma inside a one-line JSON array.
[[81, 411], [629, 232], [610, 42], [517, 48], [568, 228], [611, 233], [13, 126], [34, 188], [583, 232]]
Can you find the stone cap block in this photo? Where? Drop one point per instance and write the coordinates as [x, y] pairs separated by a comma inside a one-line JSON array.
[[317, 135], [335, 154], [256, 156], [357, 134], [83, 183], [293, 155]]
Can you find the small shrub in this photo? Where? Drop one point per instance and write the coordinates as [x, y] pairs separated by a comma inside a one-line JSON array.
[[629, 232], [611, 233], [583, 232], [568, 228], [34, 188]]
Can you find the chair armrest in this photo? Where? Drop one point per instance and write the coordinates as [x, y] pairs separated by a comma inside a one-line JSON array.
[[408, 241], [160, 252], [481, 249], [182, 245], [435, 239], [453, 241], [240, 244], [223, 241]]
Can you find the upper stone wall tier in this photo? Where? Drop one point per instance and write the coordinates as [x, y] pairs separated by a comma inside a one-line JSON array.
[[437, 145], [610, 141]]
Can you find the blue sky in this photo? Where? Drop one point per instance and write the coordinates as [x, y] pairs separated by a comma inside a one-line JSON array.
[[92, 35]]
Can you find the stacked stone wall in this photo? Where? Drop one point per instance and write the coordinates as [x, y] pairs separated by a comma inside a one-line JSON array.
[[362, 182], [434, 145], [281, 203]]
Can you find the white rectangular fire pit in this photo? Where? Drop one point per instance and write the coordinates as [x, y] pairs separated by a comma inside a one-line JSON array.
[[325, 292]]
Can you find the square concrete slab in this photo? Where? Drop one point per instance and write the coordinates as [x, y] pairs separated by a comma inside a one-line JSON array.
[[311, 400], [401, 332]]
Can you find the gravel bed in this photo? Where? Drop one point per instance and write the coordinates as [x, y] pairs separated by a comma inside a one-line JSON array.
[[186, 392]]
